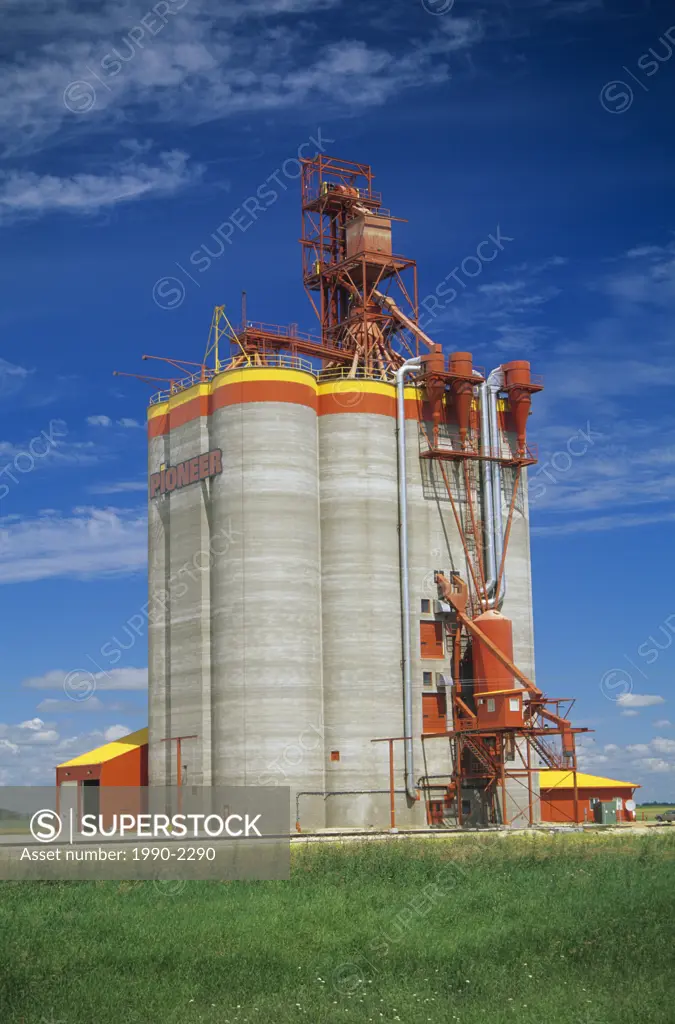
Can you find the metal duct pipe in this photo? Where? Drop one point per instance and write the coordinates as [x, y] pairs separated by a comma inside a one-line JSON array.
[[486, 488], [495, 383], [400, 375]]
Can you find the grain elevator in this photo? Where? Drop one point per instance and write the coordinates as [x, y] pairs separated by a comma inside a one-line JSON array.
[[339, 556]]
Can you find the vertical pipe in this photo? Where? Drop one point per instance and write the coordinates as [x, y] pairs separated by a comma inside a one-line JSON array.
[[486, 487], [400, 375], [505, 819], [507, 532], [392, 798], [529, 779], [458, 772], [495, 382], [179, 778]]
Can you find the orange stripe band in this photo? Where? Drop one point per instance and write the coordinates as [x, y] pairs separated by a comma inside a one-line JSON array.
[[269, 384], [275, 385]]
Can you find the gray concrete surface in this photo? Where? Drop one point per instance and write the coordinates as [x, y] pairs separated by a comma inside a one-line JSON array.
[[279, 643]]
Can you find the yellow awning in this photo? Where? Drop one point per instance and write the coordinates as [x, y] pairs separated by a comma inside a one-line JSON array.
[[550, 779], [110, 750]]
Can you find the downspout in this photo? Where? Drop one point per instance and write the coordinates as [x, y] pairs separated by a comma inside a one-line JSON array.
[[400, 375], [495, 383]]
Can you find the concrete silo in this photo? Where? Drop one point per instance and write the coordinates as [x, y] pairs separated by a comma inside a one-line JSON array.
[[360, 595], [235, 644], [339, 540]]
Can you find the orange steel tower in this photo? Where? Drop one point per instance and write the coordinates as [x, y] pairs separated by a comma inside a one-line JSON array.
[[364, 296], [501, 734]]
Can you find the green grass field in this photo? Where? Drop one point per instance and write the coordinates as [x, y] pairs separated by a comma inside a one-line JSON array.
[[651, 812], [14, 827], [555, 929]]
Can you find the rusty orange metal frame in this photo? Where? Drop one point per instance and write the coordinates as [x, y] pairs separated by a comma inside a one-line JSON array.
[[179, 770]]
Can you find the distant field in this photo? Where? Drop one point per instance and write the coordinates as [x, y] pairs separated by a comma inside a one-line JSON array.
[[13, 826], [651, 812], [563, 929]]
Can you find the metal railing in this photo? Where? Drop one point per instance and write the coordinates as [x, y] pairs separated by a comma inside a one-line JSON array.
[[201, 377], [279, 330], [347, 373], [325, 187], [289, 362], [278, 361], [237, 362]]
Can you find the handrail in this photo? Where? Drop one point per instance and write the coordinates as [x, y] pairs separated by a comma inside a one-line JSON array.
[[285, 331], [280, 360], [347, 373]]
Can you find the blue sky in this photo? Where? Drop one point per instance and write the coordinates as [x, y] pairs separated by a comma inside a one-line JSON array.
[[131, 132]]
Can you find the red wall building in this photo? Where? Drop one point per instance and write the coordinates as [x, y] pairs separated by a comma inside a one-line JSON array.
[[557, 796], [107, 780]]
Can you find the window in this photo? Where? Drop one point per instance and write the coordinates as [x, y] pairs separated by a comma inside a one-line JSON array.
[[514, 704], [426, 605], [427, 678], [491, 704]]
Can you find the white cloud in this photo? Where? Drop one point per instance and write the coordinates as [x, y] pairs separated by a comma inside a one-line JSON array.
[[638, 759], [600, 524], [629, 714], [626, 478], [115, 732], [28, 756], [662, 745], [662, 723], [26, 194], [126, 422], [638, 748], [509, 309], [114, 679], [639, 700], [36, 724], [89, 543], [655, 764], [29, 734], [77, 72], [646, 277], [588, 760], [93, 705], [12, 378], [123, 487], [99, 421], [626, 471], [51, 447]]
